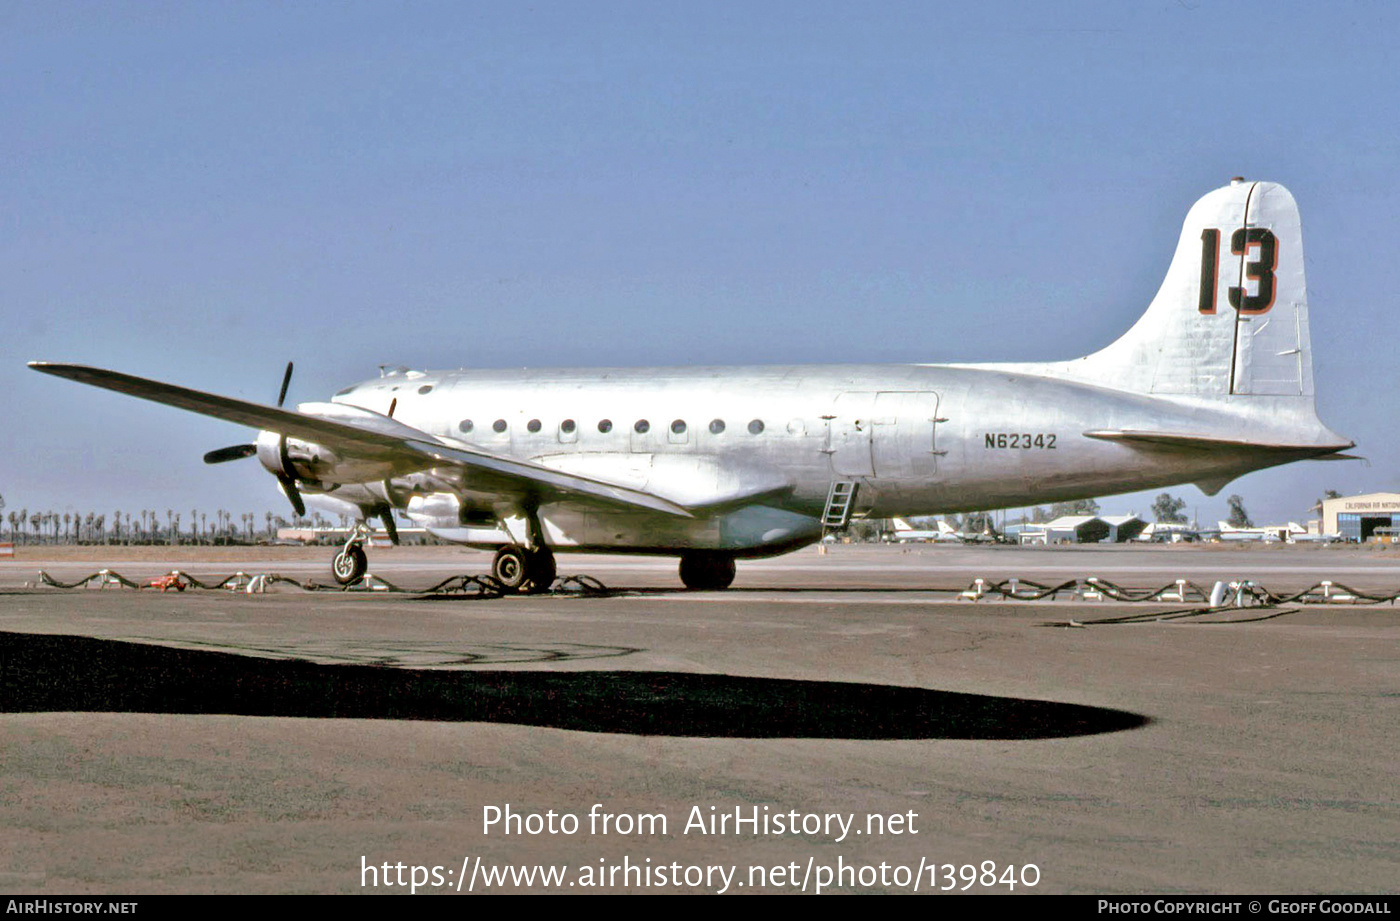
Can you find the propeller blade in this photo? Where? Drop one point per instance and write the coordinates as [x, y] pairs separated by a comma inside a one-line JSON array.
[[232, 452], [286, 382], [289, 489], [386, 514]]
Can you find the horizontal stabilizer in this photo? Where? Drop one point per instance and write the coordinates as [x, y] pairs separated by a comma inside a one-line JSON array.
[[1209, 443]]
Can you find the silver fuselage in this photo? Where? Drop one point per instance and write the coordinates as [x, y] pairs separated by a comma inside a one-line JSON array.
[[919, 439]]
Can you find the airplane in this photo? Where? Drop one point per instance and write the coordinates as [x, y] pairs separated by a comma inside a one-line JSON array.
[[1163, 532], [905, 533], [1292, 533], [1228, 533], [711, 465]]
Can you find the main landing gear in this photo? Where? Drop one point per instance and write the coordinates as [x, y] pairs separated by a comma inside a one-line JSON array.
[[526, 571], [707, 570]]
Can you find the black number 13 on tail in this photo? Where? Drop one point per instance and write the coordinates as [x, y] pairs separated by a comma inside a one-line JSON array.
[[1259, 270]]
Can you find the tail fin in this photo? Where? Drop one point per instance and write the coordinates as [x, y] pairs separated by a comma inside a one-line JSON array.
[[1231, 318]]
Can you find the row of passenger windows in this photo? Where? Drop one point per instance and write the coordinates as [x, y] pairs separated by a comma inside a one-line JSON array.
[[641, 426]]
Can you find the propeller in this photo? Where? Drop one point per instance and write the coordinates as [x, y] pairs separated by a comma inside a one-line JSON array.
[[289, 483], [238, 452]]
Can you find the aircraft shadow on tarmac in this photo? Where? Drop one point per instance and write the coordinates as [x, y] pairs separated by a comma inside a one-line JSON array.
[[43, 673]]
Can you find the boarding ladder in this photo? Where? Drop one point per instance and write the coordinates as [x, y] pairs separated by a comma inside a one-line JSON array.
[[840, 501]]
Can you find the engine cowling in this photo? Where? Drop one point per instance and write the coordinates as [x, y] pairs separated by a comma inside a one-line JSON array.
[[317, 465], [289, 457]]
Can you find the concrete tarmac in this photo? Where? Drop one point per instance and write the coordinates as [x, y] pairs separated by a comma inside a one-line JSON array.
[[292, 741]]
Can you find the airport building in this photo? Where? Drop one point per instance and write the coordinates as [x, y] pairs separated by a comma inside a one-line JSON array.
[[1357, 518], [1079, 529]]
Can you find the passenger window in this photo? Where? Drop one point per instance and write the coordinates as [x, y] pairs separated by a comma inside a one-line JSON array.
[[716, 426], [678, 434], [642, 427], [426, 388], [499, 425], [756, 427], [533, 425], [605, 426], [465, 426]]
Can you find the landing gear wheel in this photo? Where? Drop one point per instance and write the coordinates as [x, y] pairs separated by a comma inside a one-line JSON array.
[[526, 571], [350, 565], [711, 571]]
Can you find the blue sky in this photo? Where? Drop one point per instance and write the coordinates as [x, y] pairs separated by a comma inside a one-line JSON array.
[[202, 192]]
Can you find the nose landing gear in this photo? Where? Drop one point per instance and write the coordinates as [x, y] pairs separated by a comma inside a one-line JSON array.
[[350, 564]]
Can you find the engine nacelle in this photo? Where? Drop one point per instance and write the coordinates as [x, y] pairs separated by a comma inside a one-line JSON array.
[[277, 456], [315, 464], [436, 510]]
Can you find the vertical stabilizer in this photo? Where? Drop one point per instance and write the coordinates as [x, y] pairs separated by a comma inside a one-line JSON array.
[[1231, 317]]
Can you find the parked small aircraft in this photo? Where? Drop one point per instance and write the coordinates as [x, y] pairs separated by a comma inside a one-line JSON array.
[[905, 533], [714, 464], [1228, 533], [1292, 533]]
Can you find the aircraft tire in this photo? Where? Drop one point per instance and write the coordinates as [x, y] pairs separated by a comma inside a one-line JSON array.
[[707, 571], [524, 571], [350, 565]]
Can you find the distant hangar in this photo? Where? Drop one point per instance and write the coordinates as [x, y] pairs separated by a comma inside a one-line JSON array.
[[1358, 518]]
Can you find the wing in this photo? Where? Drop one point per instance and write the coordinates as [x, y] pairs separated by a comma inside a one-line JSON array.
[[354, 432]]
